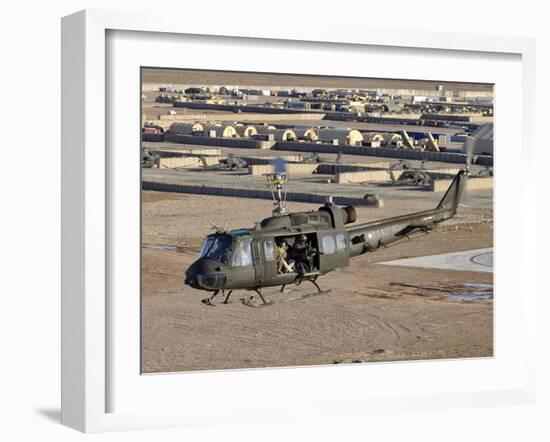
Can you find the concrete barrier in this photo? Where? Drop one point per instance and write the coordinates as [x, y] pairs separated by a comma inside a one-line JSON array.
[[365, 176], [292, 169], [407, 154], [333, 169], [185, 151], [157, 138], [256, 193], [239, 110], [253, 160], [243, 143], [176, 162], [242, 117]]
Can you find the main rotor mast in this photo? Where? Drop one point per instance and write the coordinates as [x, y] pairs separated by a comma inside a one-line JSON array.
[[277, 183]]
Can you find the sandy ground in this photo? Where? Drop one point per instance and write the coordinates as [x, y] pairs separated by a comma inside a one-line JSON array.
[[373, 313], [204, 77]]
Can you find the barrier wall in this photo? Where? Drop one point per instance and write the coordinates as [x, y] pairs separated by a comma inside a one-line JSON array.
[[244, 143], [406, 154], [232, 116], [174, 162], [365, 176], [333, 169], [298, 113], [291, 168], [256, 193], [251, 160], [177, 150], [157, 138]]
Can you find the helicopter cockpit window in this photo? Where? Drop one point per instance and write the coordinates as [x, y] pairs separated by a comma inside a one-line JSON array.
[[216, 248], [340, 242], [269, 250], [329, 245], [242, 256]]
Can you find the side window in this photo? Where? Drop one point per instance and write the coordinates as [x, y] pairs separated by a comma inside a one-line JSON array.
[[246, 253], [243, 254], [329, 246], [340, 242], [269, 250], [236, 262]]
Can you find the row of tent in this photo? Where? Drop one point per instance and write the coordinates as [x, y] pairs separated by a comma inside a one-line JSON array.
[[231, 130]]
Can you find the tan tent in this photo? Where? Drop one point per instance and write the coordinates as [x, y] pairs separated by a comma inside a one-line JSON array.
[[351, 137], [221, 131], [392, 139], [306, 134], [186, 128], [284, 134], [369, 137], [264, 130], [245, 131]]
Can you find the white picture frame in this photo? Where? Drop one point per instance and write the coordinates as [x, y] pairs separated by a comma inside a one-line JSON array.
[[89, 359]]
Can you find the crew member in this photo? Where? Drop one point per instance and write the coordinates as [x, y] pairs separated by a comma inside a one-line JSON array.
[[282, 251], [301, 254]]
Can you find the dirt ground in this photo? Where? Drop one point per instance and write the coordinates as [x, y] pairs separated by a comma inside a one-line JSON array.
[[373, 313], [203, 77]]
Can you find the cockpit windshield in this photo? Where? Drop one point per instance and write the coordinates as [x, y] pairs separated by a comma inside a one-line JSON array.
[[217, 247]]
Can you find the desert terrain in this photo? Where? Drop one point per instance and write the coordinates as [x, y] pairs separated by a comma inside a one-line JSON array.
[[374, 312]]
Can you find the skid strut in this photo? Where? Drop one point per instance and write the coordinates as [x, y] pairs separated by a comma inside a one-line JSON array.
[[248, 302], [209, 301], [264, 303]]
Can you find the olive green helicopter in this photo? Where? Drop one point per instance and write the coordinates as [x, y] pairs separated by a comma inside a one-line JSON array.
[[291, 248]]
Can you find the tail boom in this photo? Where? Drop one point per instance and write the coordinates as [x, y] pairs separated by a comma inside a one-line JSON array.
[[370, 236]]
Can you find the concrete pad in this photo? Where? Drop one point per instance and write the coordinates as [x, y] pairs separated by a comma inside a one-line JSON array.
[[479, 260]]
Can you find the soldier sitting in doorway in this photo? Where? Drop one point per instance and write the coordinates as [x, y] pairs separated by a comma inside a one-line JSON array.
[[282, 251], [302, 254]]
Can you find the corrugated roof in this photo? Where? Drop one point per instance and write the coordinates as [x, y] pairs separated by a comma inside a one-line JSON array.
[[484, 132]]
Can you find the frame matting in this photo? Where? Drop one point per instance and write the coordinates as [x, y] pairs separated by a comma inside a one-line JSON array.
[[90, 360]]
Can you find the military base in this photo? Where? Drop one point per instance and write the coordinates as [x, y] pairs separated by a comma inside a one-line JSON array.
[[214, 148]]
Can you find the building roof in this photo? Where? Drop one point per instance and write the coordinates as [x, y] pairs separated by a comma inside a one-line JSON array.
[[484, 132]]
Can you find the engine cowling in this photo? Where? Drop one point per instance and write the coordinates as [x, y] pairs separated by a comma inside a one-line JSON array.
[[340, 216]]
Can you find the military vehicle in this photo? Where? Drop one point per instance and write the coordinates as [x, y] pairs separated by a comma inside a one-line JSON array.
[[229, 163], [291, 248], [149, 158], [314, 158]]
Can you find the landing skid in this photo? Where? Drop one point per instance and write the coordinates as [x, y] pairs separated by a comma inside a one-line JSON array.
[[208, 301], [249, 302]]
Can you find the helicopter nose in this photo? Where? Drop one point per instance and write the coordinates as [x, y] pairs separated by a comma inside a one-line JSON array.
[[206, 274]]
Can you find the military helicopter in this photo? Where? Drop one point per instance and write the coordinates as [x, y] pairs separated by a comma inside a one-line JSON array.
[[410, 175], [229, 163], [289, 248], [148, 158], [314, 158]]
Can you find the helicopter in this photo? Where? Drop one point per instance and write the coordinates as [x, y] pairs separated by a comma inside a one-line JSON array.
[[149, 158], [298, 247], [410, 175], [229, 163]]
